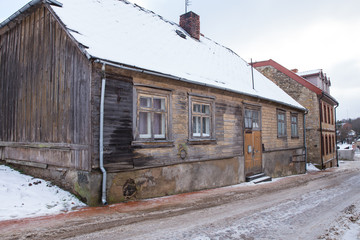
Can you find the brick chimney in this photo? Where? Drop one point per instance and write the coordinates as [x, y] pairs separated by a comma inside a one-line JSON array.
[[295, 70], [190, 22]]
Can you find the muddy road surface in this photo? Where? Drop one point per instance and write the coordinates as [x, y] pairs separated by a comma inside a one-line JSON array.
[[316, 205]]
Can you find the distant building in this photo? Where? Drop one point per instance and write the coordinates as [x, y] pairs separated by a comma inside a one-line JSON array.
[[312, 90]]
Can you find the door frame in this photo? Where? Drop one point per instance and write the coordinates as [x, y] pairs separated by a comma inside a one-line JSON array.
[[247, 130]]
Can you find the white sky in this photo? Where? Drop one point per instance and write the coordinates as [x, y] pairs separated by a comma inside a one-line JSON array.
[[306, 34]]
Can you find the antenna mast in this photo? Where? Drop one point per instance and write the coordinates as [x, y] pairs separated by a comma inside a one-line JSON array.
[[252, 74], [187, 3]]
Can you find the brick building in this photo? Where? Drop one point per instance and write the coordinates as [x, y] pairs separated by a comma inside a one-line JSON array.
[[312, 90]]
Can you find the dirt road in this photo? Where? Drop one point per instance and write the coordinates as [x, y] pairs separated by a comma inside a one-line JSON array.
[[315, 205]]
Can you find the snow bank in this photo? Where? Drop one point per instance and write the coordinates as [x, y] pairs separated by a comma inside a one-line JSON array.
[[310, 167], [24, 196]]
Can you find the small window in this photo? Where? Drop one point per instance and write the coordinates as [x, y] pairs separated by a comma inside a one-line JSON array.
[[281, 122], [201, 118], [152, 116], [294, 125], [252, 119]]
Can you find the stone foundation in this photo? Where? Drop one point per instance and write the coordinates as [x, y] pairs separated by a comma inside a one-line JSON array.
[[284, 163], [144, 183]]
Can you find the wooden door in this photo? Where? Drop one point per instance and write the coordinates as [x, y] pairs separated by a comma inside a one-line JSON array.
[[253, 152]]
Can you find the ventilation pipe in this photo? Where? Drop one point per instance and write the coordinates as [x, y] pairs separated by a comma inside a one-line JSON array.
[[337, 156], [321, 133], [103, 195], [304, 123]]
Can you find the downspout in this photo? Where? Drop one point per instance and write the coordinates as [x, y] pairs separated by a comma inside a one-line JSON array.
[[304, 123], [337, 157], [103, 195], [321, 136]]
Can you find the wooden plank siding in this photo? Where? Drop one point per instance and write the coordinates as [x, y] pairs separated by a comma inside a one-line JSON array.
[[45, 90], [118, 104], [120, 153]]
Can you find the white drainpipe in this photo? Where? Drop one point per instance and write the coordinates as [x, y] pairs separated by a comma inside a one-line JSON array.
[[103, 196]]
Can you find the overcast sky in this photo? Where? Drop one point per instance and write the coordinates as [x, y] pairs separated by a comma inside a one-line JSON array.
[[302, 34]]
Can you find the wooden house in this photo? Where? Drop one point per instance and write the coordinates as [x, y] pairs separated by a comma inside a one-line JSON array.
[[113, 102], [312, 90]]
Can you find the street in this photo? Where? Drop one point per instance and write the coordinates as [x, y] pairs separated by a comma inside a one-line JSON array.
[[317, 205]]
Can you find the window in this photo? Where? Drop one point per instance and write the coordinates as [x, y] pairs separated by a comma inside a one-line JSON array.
[[201, 120], [326, 145], [294, 125], [152, 115], [281, 121], [201, 117], [252, 119]]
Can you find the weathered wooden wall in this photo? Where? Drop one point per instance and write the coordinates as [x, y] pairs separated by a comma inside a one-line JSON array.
[[121, 153], [45, 91], [118, 112]]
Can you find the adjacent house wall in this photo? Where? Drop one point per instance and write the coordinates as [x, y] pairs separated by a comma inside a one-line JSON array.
[[44, 99], [306, 98]]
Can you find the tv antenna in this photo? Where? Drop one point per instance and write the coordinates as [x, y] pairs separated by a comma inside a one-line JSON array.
[[187, 3]]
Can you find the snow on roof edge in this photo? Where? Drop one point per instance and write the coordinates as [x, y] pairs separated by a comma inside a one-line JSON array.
[[147, 71]]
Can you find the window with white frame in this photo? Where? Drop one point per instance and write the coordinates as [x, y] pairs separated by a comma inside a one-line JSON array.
[[294, 125], [201, 118], [152, 116], [281, 123]]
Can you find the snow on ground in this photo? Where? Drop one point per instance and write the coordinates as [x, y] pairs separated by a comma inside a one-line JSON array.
[[24, 196], [346, 227]]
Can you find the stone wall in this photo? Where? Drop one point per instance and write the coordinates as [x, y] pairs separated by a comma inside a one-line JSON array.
[[179, 178], [306, 98]]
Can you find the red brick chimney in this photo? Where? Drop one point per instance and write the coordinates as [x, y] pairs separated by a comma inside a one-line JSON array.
[[295, 70], [190, 22]]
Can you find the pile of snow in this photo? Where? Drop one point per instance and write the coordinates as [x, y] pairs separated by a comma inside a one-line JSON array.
[[24, 196], [311, 168]]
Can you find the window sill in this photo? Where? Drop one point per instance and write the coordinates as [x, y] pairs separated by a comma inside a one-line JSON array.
[[201, 141], [153, 144], [295, 137]]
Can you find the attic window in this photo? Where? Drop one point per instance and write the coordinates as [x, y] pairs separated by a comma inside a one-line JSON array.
[[181, 34]]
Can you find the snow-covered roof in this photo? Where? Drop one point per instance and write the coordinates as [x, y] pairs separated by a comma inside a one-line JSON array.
[[310, 72], [121, 32]]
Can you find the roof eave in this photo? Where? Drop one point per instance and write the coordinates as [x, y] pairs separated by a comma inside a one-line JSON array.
[[159, 74], [289, 73], [22, 10]]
